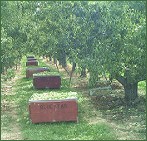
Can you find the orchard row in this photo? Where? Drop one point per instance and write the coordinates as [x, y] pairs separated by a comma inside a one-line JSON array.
[[102, 38], [51, 106]]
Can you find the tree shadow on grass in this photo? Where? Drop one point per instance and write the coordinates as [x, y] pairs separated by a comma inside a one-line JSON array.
[[117, 106], [114, 109]]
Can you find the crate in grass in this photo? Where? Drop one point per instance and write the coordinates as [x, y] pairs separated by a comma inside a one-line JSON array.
[[47, 80], [32, 63], [53, 107], [31, 70], [100, 90]]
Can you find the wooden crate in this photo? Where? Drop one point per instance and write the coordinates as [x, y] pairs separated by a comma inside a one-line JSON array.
[[30, 71], [32, 63], [41, 82], [53, 110]]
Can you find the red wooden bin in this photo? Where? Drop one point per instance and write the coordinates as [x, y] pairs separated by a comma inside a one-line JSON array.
[[53, 110], [47, 81], [31, 71], [32, 63]]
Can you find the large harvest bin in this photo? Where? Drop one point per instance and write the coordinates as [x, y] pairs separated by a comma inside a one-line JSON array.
[[31, 59], [53, 110], [32, 63], [31, 70], [41, 81]]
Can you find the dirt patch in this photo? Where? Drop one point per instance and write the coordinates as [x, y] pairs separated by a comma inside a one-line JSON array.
[[11, 136], [79, 83], [7, 105], [10, 130]]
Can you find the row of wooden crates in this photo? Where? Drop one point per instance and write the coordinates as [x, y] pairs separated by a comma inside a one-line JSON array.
[[48, 110]]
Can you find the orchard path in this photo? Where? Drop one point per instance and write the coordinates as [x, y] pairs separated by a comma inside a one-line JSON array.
[[10, 129]]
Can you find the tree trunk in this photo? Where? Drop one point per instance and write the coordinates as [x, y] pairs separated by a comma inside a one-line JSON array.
[[73, 66], [73, 69], [63, 59], [54, 59], [83, 72], [130, 92], [16, 67], [93, 78], [60, 63], [64, 64], [50, 58]]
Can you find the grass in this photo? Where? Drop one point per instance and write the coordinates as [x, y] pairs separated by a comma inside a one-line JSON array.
[[88, 127], [142, 85], [6, 118], [67, 131], [59, 130], [142, 88]]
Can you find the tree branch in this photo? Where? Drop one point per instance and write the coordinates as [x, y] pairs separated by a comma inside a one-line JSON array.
[[121, 79]]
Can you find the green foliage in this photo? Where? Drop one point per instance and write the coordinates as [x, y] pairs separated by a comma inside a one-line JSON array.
[[13, 37], [126, 49], [10, 74]]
